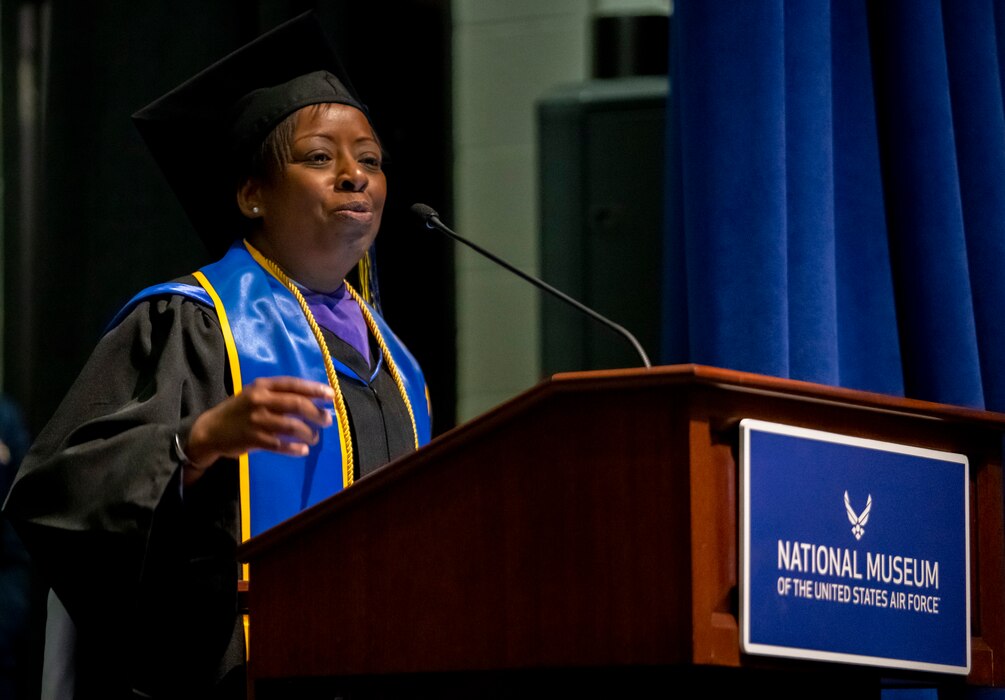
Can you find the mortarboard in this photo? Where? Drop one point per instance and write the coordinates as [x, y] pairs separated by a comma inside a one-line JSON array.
[[198, 130]]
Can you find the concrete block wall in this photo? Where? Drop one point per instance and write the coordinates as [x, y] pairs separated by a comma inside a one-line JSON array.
[[507, 54]]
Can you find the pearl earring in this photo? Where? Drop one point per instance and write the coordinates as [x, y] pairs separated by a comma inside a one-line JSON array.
[[254, 210]]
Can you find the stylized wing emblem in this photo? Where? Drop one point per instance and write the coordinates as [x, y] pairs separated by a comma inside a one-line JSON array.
[[857, 521]]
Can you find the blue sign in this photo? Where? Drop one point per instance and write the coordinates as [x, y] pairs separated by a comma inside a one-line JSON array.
[[853, 550]]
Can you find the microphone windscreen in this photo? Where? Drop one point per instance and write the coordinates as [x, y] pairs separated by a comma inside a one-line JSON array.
[[424, 211]]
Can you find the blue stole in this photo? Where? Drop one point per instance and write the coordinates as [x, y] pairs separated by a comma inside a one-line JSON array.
[[267, 335]]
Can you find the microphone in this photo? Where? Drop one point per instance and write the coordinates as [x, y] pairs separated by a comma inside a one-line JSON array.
[[432, 220]]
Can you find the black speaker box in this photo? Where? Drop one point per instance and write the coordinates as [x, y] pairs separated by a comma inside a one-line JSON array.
[[601, 168]]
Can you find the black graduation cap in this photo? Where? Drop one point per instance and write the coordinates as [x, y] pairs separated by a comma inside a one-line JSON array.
[[199, 130]]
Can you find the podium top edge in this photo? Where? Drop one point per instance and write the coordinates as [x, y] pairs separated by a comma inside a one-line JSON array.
[[738, 380]]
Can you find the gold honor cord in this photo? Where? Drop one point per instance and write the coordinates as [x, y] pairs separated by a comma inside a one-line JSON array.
[[340, 409], [392, 368], [341, 414], [363, 269]]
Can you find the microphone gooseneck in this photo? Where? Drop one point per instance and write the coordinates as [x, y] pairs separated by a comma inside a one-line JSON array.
[[432, 220]]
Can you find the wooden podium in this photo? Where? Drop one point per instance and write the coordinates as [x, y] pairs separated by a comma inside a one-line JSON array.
[[581, 540]]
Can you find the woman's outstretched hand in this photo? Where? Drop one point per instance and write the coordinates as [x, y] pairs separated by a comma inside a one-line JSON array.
[[281, 414]]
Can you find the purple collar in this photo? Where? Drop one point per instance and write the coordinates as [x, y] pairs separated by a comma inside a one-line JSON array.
[[339, 313]]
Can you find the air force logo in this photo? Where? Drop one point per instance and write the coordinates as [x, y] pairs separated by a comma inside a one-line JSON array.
[[857, 521]]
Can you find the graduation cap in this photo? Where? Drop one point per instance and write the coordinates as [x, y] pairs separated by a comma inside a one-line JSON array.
[[205, 130]]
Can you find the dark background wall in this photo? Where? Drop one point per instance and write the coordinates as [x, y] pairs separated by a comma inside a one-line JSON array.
[[88, 220]]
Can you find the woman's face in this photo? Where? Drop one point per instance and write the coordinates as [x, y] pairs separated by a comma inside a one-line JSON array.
[[320, 213]]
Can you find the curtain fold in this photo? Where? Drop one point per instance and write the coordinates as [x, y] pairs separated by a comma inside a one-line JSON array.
[[809, 194], [975, 88], [733, 186], [867, 316], [923, 203]]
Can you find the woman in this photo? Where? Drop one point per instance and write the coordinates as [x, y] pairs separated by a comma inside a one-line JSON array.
[[223, 403]]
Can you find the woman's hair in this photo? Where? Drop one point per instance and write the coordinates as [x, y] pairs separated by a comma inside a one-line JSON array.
[[269, 159], [276, 150]]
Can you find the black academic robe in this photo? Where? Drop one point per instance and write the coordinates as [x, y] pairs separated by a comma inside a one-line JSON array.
[[147, 570]]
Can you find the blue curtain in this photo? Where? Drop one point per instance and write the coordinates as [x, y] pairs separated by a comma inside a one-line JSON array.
[[836, 194], [836, 204]]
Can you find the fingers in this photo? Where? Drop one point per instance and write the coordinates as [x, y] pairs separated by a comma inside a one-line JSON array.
[[289, 396], [295, 385], [275, 431], [279, 414]]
